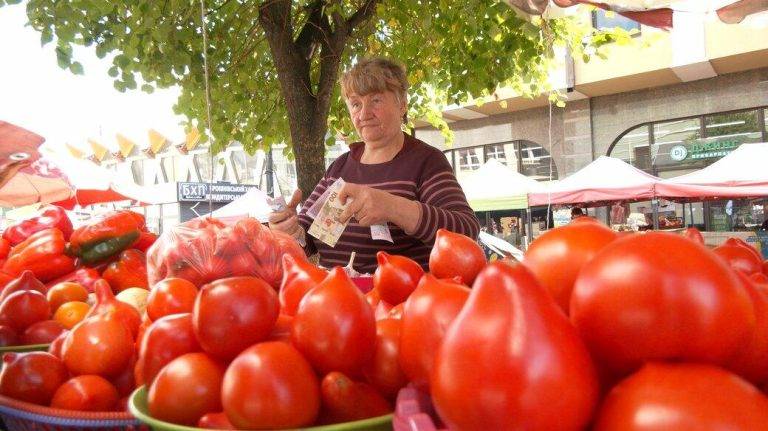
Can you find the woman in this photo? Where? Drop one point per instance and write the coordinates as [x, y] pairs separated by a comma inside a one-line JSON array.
[[391, 178]]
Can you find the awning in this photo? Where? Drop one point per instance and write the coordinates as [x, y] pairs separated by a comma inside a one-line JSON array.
[[494, 186]]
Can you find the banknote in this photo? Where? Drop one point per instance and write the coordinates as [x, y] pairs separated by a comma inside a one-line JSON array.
[[327, 227]]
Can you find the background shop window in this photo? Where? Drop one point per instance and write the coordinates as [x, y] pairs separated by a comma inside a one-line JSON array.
[[635, 148], [505, 153], [608, 20], [469, 159], [536, 162], [730, 130], [674, 142]]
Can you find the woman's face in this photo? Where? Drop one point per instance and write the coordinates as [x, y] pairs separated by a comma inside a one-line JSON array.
[[377, 116]]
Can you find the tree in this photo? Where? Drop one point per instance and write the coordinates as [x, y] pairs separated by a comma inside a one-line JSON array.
[[274, 64]]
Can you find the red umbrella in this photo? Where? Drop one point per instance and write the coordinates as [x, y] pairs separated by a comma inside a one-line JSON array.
[[26, 178]]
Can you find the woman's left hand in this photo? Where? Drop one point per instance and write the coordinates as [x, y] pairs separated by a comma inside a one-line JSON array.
[[367, 205]]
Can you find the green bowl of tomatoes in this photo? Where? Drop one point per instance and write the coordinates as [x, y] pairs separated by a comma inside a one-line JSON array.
[[139, 408]]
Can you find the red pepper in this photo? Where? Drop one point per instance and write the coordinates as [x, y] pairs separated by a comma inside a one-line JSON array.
[[5, 248], [51, 217], [129, 271], [146, 239], [43, 254], [107, 236], [85, 277]]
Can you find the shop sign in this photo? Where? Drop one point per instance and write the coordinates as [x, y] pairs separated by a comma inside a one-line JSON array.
[[710, 150], [216, 192]]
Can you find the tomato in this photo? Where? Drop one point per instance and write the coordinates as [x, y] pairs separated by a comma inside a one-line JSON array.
[[23, 308], [8, 336], [186, 389], [373, 298], [270, 385], [345, 400], [42, 332], [125, 382], [334, 327], [32, 377], [165, 340], [642, 298], [512, 360], [557, 256], [396, 277], [55, 347], [107, 303], [694, 235], [26, 281], [86, 393], [299, 277], [251, 307], [382, 310], [397, 311], [71, 313], [760, 279], [751, 357], [427, 314], [765, 267], [100, 345], [456, 255], [282, 329], [215, 421], [740, 256], [753, 250], [171, 296], [683, 397], [66, 292], [384, 371]]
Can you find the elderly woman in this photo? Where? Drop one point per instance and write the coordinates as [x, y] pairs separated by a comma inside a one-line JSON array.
[[391, 178]]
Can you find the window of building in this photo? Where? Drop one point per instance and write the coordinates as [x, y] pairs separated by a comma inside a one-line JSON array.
[[469, 159], [725, 132], [673, 141], [506, 153], [536, 162], [634, 147], [602, 19]]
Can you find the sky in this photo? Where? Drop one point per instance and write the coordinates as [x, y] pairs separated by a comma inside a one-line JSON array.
[[65, 108]]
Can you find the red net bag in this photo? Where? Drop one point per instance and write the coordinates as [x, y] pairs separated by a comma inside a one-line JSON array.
[[203, 250]]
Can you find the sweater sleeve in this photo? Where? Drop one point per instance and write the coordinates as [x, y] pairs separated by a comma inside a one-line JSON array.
[[443, 203]]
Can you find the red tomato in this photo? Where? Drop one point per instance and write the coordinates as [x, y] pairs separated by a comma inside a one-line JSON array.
[[427, 314], [186, 389], [751, 358], [396, 277], [8, 336], [86, 393], [384, 371], [282, 329], [215, 421], [166, 339], [511, 340], [345, 400], [43, 332], [765, 267], [299, 277], [125, 383], [26, 281], [397, 311], [753, 250], [107, 303], [456, 255], [23, 308], [382, 310], [557, 256], [373, 298], [55, 347], [683, 397], [100, 345], [760, 279], [250, 306], [694, 235], [334, 327], [739, 256], [641, 299], [171, 296], [32, 377], [270, 386]]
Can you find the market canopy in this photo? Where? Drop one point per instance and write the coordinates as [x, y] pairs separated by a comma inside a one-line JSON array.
[[494, 186], [605, 179]]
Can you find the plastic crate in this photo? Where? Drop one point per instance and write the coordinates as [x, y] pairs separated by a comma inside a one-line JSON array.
[[414, 412], [138, 406], [22, 416]]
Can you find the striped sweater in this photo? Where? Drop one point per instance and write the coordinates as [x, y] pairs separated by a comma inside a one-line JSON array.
[[418, 172]]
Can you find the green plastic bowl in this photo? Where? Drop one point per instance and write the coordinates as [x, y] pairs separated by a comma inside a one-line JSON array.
[[138, 407], [27, 348]]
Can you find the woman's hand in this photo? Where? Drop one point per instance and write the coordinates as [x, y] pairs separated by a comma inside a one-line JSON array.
[[287, 220], [370, 206]]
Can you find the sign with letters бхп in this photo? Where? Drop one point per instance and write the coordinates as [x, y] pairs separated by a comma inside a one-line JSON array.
[[197, 199]]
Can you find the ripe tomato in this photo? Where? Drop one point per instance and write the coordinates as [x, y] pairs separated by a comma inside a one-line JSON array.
[[299, 277], [384, 371], [641, 298], [23, 308], [397, 311], [86, 393], [43, 332], [125, 382], [557, 256], [100, 345], [694, 235], [396, 277], [456, 255], [55, 347], [171, 296], [165, 340], [512, 360], [270, 386], [107, 303], [8, 337], [345, 400], [751, 357], [683, 397], [26, 281], [282, 329], [334, 327], [65, 292], [250, 306], [427, 314], [215, 421], [71, 313], [32, 377], [740, 256], [186, 389]]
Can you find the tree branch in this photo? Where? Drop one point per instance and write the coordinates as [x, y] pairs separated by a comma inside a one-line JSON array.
[[363, 14], [306, 39]]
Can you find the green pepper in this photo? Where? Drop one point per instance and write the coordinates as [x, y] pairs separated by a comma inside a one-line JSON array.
[[101, 250]]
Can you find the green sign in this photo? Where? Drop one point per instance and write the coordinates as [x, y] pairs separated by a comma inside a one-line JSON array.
[[712, 149]]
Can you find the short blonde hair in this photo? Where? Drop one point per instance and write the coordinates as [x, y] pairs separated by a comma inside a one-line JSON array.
[[375, 75]]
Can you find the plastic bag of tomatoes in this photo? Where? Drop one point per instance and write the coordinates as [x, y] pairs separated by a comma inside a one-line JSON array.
[[206, 249]]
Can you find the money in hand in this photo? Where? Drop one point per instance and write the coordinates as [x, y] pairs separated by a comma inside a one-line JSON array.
[[327, 226]]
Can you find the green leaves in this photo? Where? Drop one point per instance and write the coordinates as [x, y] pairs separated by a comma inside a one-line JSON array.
[[76, 68]]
